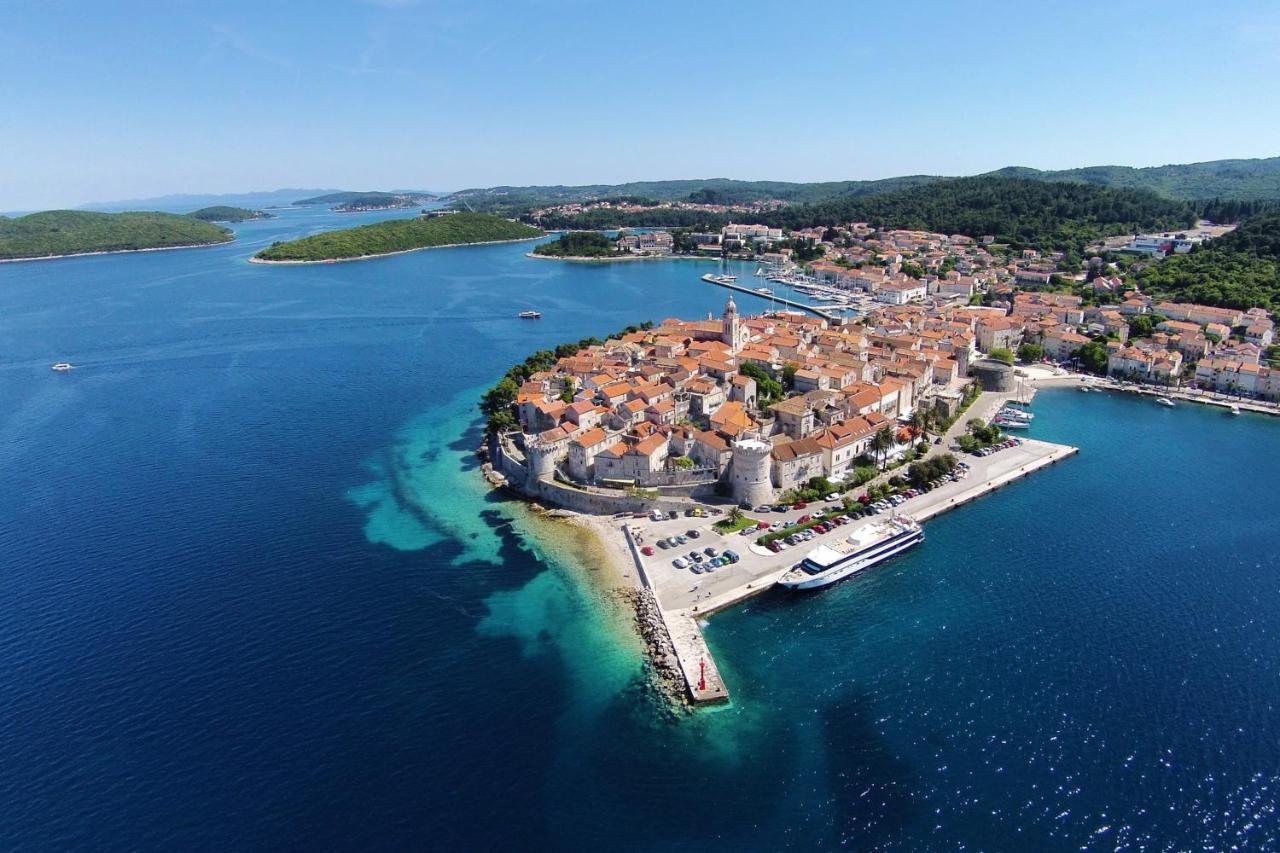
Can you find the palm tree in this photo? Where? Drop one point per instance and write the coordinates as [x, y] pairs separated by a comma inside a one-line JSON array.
[[735, 515], [881, 443]]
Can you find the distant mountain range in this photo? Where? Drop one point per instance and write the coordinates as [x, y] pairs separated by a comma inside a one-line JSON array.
[[1227, 179], [182, 202]]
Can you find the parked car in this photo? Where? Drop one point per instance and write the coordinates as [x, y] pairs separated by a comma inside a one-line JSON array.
[[764, 508], [731, 556], [781, 508], [692, 534], [799, 505], [647, 550], [664, 544], [709, 551], [673, 515], [680, 562], [802, 519], [775, 546]]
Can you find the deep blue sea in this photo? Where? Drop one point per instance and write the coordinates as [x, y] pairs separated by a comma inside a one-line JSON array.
[[254, 597]]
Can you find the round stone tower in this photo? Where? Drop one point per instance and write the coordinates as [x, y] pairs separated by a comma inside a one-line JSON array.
[[540, 461], [749, 470]]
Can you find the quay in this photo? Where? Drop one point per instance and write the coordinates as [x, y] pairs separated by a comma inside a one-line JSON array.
[[685, 601], [812, 309], [1190, 395]]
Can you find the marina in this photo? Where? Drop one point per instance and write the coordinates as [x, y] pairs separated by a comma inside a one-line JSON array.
[[729, 283]]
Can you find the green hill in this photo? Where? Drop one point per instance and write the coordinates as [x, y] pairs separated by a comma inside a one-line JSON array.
[[399, 235], [1240, 180], [74, 232], [1238, 270], [1043, 214], [1243, 180], [1021, 212], [224, 213], [704, 191]]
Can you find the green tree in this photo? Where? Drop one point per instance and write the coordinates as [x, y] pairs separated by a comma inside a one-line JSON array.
[[566, 396], [1002, 354], [1028, 353], [789, 375], [881, 443], [1093, 357]]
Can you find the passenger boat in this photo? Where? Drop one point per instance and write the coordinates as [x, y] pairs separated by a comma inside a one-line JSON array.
[[62, 367], [865, 547], [1165, 401], [530, 315]]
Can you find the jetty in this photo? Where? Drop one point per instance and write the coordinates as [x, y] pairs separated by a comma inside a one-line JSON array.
[[782, 300], [686, 601]]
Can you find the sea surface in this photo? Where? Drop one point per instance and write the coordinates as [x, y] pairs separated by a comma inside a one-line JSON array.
[[253, 596]]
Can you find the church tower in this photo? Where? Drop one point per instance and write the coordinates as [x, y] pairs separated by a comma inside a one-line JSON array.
[[731, 330]]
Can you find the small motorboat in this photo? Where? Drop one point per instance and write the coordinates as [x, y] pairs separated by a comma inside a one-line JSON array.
[[530, 315], [1235, 409], [62, 367], [1165, 401]]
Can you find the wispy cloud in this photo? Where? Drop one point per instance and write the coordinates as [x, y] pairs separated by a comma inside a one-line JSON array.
[[225, 37]]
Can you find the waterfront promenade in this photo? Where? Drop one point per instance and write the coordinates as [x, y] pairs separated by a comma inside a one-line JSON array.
[[684, 598]]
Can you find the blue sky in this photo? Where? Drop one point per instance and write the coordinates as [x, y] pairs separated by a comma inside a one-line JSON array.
[[119, 100]]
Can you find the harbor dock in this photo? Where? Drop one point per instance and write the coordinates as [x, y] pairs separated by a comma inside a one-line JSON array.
[[781, 300], [685, 600]]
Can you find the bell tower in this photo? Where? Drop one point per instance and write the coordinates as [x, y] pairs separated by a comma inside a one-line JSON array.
[[730, 326]]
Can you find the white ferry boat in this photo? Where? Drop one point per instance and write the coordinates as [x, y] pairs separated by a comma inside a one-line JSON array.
[[1165, 401], [865, 547]]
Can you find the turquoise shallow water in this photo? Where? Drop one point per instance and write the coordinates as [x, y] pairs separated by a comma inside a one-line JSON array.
[[257, 598]]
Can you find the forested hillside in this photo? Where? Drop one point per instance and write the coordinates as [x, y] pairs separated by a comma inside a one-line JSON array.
[[1239, 270]]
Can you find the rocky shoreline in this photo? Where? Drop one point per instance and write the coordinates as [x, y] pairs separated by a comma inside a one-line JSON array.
[[661, 666]]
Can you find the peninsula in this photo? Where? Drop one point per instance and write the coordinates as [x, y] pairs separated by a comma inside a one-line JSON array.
[[226, 213], [62, 233], [727, 442], [396, 236]]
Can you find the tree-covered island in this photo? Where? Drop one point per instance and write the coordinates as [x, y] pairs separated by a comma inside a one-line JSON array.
[[398, 235], [57, 233], [225, 213]]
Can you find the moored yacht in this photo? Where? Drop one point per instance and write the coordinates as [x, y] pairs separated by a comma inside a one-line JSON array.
[[865, 547], [1165, 401]]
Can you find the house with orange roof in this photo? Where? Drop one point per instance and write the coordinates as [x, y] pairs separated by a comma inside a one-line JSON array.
[[794, 463], [633, 460]]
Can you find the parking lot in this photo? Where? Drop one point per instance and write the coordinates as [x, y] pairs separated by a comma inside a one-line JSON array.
[[679, 588]]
